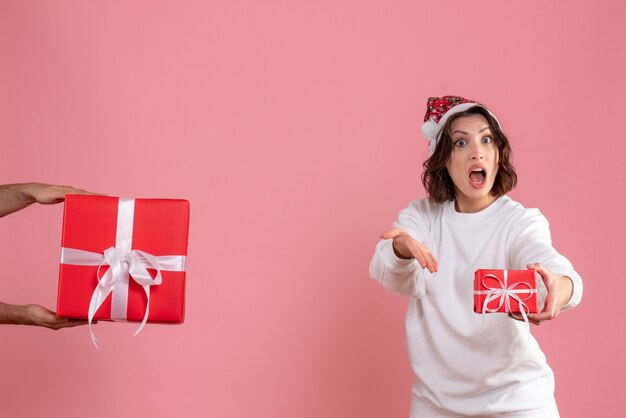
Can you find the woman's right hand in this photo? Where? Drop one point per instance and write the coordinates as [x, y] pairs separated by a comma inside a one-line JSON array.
[[407, 247]]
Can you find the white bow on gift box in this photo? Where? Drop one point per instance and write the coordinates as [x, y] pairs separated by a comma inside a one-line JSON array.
[[505, 293]]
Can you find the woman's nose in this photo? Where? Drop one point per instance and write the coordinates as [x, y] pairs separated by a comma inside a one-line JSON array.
[[476, 152]]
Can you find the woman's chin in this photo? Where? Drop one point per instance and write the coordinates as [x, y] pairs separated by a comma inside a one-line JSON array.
[[475, 192]]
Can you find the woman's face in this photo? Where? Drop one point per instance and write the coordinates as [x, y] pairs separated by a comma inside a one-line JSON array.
[[473, 164]]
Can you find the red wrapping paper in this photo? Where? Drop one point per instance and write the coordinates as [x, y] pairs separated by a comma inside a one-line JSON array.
[[523, 284], [160, 227]]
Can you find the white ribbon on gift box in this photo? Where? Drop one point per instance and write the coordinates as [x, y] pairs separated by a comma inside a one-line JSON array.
[[123, 262], [506, 293]]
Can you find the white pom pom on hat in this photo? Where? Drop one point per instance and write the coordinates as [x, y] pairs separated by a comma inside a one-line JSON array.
[[439, 110]]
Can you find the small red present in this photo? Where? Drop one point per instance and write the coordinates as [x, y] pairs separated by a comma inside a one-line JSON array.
[[513, 291], [123, 259]]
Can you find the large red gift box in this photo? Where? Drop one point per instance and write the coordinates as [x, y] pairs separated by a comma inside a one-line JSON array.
[[504, 290], [106, 237]]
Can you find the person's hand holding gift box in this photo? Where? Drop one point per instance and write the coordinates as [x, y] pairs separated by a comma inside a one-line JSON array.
[[515, 292], [14, 197]]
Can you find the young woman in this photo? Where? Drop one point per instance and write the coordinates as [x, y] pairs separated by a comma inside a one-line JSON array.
[[467, 364]]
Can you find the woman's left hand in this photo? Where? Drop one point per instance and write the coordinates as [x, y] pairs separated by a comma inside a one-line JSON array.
[[560, 290]]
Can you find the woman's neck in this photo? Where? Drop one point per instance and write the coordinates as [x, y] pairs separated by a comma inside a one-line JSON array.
[[463, 205]]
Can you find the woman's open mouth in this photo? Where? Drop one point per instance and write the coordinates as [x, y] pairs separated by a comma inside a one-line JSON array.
[[477, 177]]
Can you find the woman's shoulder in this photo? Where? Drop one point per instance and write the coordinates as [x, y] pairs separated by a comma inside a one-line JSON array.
[[519, 214], [424, 207], [418, 217]]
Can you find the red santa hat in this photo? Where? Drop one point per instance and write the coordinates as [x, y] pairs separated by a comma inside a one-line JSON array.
[[438, 110]]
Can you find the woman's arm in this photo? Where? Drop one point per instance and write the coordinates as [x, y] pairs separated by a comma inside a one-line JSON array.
[[531, 247], [399, 256], [394, 273]]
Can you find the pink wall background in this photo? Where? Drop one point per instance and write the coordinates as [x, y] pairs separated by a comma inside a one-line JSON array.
[[293, 129]]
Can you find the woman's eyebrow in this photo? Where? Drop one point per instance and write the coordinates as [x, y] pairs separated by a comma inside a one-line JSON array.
[[465, 133]]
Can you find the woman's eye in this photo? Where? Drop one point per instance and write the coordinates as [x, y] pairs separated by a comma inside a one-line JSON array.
[[460, 143], [487, 140]]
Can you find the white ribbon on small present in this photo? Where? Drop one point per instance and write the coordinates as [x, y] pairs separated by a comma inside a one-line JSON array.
[[123, 263], [505, 294]]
